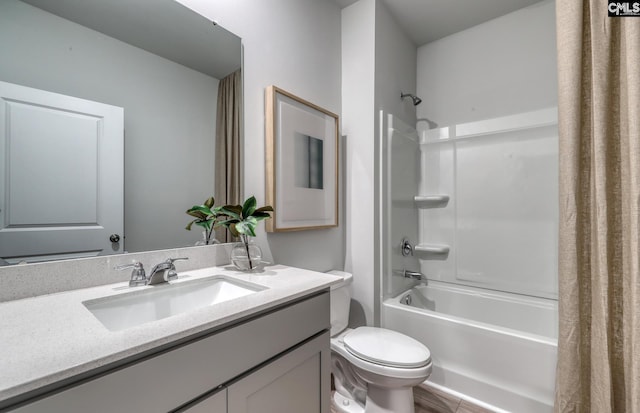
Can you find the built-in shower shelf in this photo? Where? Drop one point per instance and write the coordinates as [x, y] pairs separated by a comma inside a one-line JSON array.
[[431, 251], [431, 201]]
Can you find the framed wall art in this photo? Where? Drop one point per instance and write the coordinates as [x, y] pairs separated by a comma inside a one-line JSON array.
[[301, 163]]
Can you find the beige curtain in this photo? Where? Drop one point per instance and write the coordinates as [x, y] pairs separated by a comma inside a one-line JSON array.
[[228, 186], [599, 106]]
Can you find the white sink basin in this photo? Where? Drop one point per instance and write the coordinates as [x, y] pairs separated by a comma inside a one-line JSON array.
[[155, 303]]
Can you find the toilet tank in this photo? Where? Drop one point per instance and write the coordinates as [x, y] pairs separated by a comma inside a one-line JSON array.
[[340, 302]]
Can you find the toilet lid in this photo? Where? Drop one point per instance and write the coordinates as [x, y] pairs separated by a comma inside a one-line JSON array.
[[386, 347]]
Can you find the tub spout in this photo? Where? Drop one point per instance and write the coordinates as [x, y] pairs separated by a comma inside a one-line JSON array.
[[413, 274]]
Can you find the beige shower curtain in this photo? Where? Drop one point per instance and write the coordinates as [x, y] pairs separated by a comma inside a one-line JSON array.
[[228, 164], [599, 106]]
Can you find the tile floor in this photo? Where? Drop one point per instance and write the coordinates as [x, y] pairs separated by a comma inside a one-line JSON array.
[[430, 400]]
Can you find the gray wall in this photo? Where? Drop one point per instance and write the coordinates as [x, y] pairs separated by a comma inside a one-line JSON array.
[[295, 45], [169, 114], [502, 67], [379, 61], [359, 124], [395, 72]]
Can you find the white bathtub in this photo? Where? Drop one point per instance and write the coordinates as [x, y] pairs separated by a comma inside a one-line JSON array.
[[498, 348]]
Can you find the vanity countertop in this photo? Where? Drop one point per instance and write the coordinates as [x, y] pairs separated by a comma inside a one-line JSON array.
[[51, 338]]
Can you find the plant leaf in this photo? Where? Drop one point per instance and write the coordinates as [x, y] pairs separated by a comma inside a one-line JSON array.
[[249, 207], [197, 214], [232, 210], [246, 228], [204, 224], [202, 208], [235, 208], [241, 227], [188, 227], [227, 223], [261, 215], [209, 202], [233, 230], [265, 209]]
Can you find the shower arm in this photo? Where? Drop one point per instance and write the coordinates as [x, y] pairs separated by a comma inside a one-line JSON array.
[[414, 99]]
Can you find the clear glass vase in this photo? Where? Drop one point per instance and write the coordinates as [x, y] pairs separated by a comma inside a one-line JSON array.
[[246, 256]]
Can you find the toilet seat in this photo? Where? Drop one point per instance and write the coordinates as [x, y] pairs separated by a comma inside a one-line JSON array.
[[338, 346], [386, 347]]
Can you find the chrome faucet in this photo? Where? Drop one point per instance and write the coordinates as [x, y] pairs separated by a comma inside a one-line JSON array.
[[415, 275], [161, 273], [164, 272]]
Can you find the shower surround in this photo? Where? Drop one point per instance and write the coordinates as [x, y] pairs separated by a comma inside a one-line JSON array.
[[473, 185], [478, 202]]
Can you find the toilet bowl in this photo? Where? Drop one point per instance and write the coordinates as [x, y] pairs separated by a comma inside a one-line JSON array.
[[374, 369]]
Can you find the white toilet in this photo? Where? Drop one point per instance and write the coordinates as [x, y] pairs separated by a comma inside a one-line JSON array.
[[374, 369]]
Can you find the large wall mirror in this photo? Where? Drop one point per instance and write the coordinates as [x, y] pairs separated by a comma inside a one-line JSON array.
[[69, 68]]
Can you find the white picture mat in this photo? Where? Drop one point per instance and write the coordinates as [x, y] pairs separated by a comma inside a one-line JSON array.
[[303, 207]]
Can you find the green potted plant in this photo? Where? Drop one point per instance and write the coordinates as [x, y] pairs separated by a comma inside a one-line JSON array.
[[242, 220], [205, 217]]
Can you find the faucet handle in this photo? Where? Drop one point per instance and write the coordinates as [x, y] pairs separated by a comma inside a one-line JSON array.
[[138, 276], [172, 260], [405, 247], [134, 264], [172, 274]]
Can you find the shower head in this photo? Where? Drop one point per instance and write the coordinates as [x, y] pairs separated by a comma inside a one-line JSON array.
[[416, 100]]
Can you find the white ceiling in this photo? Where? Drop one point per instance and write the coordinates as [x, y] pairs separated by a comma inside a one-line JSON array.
[[165, 28], [428, 20]]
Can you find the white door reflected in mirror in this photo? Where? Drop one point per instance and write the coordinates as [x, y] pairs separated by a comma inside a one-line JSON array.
[[62, 188]]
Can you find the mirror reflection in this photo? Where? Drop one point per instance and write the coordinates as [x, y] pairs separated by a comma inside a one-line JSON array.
[[160, 80]]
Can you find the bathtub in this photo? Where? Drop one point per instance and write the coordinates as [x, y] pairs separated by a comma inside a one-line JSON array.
[[498, 348]]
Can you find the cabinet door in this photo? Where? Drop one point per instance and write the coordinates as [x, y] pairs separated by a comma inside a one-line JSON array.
[[293, 383], [216, 403]]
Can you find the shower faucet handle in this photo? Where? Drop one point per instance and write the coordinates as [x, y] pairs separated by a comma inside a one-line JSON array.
[[406, 248]]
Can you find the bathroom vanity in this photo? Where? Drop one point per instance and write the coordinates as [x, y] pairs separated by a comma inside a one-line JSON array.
[[267, 351]]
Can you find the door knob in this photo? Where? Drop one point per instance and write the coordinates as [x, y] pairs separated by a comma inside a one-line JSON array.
[[114, 238]]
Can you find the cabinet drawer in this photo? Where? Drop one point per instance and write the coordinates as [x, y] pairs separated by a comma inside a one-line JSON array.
[[167, 380]]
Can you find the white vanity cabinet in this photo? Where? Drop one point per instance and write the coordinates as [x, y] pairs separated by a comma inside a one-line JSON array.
[[277, 361]]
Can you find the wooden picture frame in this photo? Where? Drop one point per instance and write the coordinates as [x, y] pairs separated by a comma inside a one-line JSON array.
[[301, 163]]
